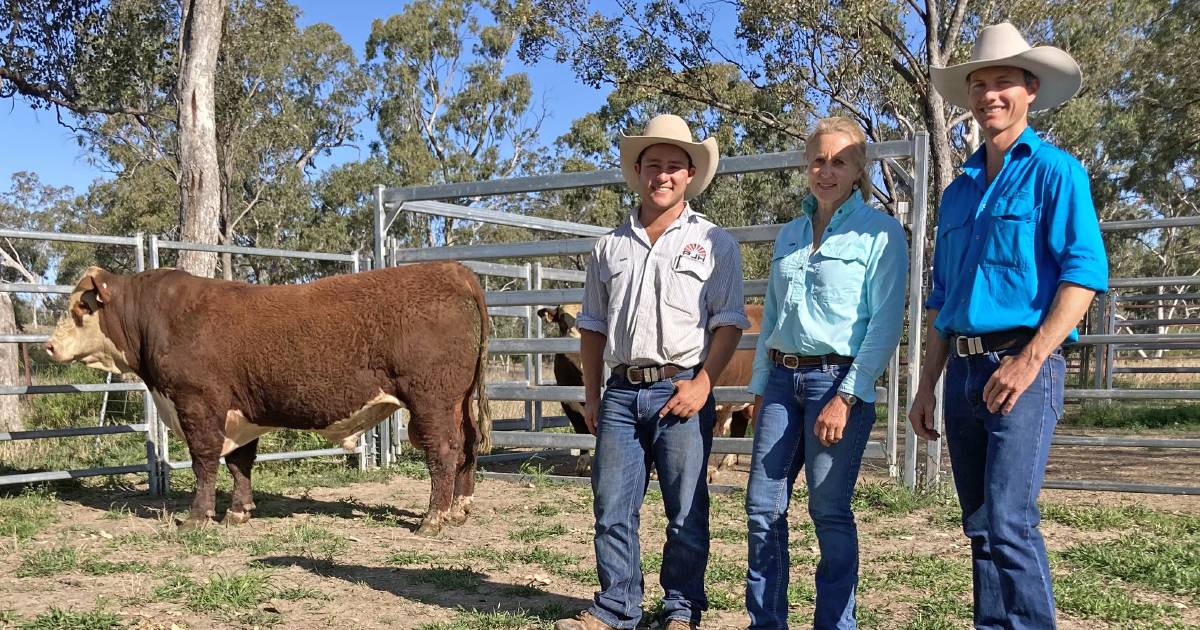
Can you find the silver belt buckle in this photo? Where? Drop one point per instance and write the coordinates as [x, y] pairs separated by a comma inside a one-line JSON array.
[[791, 361], [967, 346]]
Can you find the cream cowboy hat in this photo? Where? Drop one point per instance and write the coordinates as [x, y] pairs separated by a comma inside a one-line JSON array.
[[1002, 45], [670, 129]]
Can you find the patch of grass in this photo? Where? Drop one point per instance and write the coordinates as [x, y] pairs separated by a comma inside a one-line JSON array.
[[725, 570], [48, 562], [299, 592], [729, 534], [939, 612], [532, 471], [103, 567], [893, 499], [219, 592], [1090, 597], [921, 572], [205, 541], [725, 597], [1164, 564], [59, 619], [546, 509], [301, 539], [25, 514], [801, 591], [1095, 517], [459, 578], [1134, 416], [409, 558], [536, 533], [556, 562], [651, 562], [486, 620]]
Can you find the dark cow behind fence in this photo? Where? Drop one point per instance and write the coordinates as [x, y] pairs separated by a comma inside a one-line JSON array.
[[733, 419], [227, 362]]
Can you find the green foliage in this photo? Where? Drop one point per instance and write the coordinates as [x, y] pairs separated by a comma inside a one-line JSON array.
[[59, 619], [25, 514], [1166, 564], [48, 562], [1135, 416]]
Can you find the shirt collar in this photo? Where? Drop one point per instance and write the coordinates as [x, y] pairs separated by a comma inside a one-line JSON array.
[[976, 166], [851, 205], [635, 222]]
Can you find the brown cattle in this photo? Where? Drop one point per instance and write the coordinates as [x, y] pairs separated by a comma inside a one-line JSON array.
[[227, 362], [732, 418]]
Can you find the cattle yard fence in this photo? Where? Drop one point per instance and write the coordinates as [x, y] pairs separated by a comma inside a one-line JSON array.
[[381, 446]]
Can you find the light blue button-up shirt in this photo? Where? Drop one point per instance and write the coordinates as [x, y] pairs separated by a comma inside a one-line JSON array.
[[1003, 249], [845, 298]]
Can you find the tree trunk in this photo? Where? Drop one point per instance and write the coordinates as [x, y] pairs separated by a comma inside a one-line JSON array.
[[199, 183], [10, 371]]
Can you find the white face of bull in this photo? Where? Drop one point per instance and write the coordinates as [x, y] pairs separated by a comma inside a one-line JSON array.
[[78, 336]]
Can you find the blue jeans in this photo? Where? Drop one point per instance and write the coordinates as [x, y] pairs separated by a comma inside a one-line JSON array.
[[631, 436], [998, 463], [783, 443]]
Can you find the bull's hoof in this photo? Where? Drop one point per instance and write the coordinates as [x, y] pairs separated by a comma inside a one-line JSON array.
[[583, 466], [714, 472], [234, 517], [429, 529], [194, 522]]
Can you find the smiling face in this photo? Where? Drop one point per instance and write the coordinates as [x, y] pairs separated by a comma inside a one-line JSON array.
[[833, 168], [1000, 98], [664, 172]]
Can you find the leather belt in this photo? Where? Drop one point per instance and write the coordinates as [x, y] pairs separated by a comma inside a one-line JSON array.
[[965, 346], [648, 373], [794, 361]]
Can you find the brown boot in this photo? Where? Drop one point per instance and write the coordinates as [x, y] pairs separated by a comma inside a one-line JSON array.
[[680, 624], [583, 621]]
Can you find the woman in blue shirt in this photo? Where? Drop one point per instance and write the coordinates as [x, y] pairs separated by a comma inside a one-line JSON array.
[[832, 319]]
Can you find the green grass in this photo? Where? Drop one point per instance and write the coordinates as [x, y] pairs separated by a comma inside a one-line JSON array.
[[103, 567], [48, 562], [300, 539], [893, 499], [1091, 597], [228, 593], [488, 620], [1165, 564], [25, 514], [59, 619], [1135, 416], [409, 558], [458, 578], [538, 532]]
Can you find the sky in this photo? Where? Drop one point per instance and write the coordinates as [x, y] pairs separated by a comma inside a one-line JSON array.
[[32, 140]]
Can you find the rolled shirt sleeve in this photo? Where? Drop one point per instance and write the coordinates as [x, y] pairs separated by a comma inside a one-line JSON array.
[[1073, 230], [725, 292], [593, 315]]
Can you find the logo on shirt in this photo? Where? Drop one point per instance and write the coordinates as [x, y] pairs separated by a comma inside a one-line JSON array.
[[695, 251]]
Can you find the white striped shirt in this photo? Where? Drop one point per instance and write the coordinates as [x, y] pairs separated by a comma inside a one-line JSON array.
[[658, 304]]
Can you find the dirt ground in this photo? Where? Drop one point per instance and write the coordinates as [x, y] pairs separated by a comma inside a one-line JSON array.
[[348, 557]]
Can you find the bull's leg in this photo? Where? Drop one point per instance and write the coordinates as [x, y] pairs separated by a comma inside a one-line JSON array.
[[464, 474], [721, 428], [240, 463], [205, 460], [436, 430], [204, 438]]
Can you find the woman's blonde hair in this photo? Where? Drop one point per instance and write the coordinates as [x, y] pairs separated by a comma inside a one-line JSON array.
[[857, 148]]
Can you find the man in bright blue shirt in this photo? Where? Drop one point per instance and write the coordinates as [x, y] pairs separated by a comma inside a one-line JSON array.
[[1017, 261]]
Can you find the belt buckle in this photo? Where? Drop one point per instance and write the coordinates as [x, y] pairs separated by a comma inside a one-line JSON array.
[[631, 371], [791, 361], [967, 346]]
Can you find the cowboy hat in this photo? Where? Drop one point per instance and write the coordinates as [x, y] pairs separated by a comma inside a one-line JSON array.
[[1002, 45], [670, 129]]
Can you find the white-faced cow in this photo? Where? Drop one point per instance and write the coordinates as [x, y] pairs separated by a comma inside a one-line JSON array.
[[227, 362], [732, 418]]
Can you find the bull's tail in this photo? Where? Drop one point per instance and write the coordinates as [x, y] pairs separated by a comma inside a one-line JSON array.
[[483, 415]]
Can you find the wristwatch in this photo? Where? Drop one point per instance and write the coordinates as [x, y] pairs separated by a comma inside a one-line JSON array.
[[850, 399]]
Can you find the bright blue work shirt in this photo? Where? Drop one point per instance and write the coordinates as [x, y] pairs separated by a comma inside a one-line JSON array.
[[1003, 249], [845, 298]]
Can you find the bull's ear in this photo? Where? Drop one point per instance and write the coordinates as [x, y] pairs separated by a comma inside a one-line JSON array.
[[548, 314], [88, 300]]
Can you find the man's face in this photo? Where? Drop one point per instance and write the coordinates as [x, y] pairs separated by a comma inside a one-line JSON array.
[[664, 175], [1000, 98]]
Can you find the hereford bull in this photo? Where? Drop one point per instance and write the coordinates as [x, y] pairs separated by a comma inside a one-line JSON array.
[[227, 362], [732, 418]]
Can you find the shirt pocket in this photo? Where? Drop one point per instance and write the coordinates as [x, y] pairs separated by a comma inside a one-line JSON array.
[[1010, 236], [841, 274], [684, 287], [615, 275]]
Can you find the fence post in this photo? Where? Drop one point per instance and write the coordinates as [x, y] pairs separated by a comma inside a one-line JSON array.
[[920, 153], [893, 414], [538, 409]]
